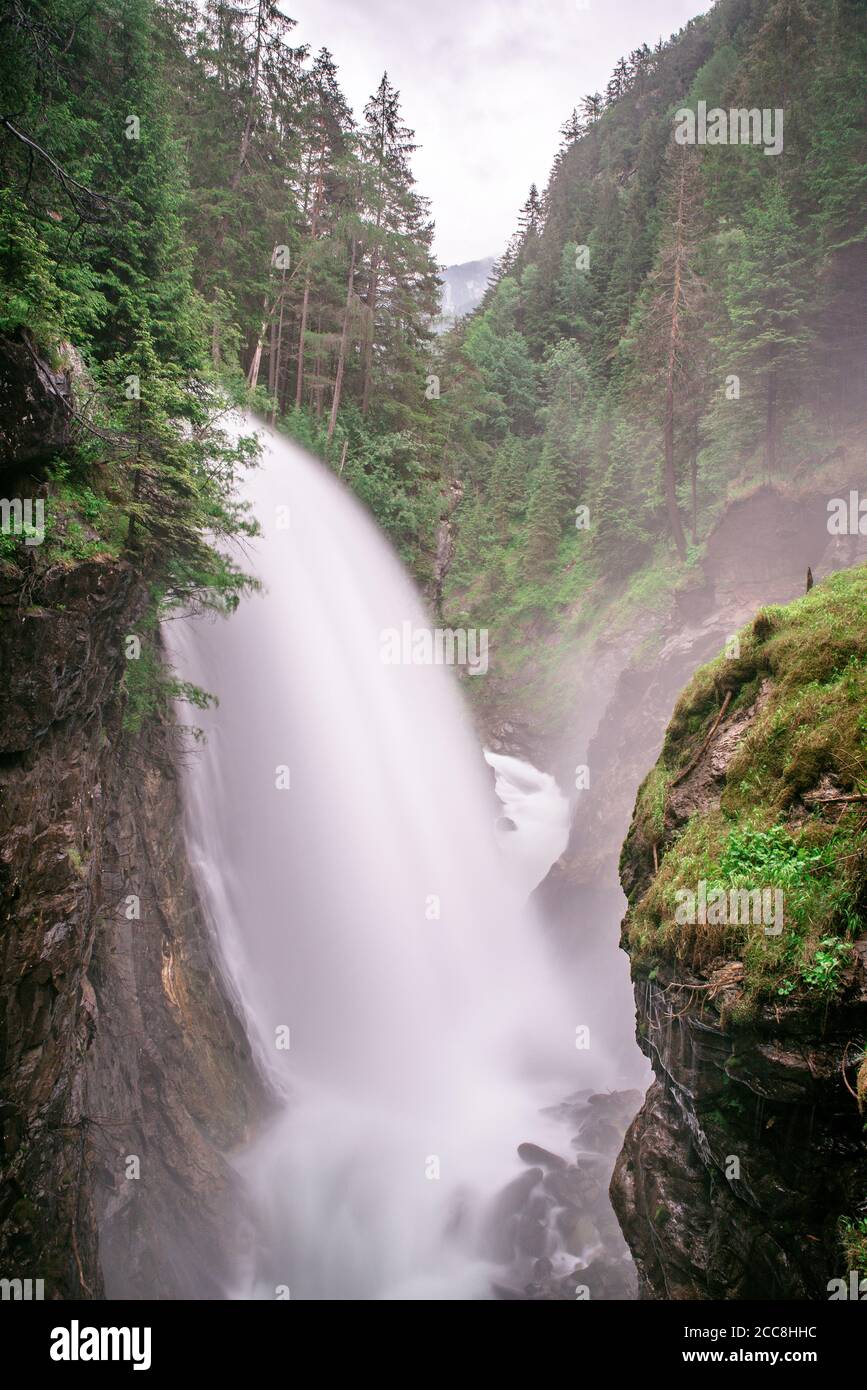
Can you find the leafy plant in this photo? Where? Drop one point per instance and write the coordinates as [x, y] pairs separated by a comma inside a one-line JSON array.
[[828, 962]]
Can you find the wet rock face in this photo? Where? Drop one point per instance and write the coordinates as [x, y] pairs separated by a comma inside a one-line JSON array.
[[748, 1147], [115, 1037], [35, 408], [169, 1064], [665, 1186], [62, 658], [552, 1228]]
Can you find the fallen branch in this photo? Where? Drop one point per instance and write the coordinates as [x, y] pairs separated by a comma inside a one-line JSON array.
[[822, 797], [88, 205], [701, 752], [844, 1062]]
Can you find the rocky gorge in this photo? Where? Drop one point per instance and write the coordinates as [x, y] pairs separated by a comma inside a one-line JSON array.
[[128, 1076]]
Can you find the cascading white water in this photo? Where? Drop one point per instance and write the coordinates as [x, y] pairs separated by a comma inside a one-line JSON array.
[[364, 908], [534, 827]]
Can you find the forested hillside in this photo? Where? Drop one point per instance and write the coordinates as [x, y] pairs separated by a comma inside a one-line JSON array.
[[191, 204], [672, 326]]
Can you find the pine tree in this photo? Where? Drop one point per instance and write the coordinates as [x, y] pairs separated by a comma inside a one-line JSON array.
[[572, 130], [592, 107], [766, 298], [508, 484], [545, 517], [326, 134], [671, 316], [95, 107], [530, 217]]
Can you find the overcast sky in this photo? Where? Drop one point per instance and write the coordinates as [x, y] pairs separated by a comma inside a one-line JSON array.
[[485, 84]]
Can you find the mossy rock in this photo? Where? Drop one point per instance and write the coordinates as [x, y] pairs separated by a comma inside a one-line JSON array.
[[809, 731]]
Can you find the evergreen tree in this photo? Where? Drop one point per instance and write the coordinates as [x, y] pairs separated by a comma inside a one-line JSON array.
[[530, 217], [671, 317], [508, 483], [766, 297], [572, 130], [545, 516], [95, 140], [592, 106]]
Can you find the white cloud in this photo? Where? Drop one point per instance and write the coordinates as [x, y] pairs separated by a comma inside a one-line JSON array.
[[486, 84]]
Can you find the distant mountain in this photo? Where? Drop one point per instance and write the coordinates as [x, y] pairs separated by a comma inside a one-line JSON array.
[[463, 287]]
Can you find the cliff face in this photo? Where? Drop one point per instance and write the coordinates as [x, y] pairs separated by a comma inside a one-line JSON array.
[[744, 1175], [126, 1072], [36, 405], [169, 1078]]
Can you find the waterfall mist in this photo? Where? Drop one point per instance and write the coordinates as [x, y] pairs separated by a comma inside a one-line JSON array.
[[365, 908]]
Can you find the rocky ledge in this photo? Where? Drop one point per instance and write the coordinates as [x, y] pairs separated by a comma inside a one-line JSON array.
[[744, 1175]]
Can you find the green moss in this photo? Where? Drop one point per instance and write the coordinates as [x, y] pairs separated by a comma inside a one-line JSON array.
[[650, 804], [853, 1242], [24, 1214], [739, 1013], [810, 662], [76, 861]]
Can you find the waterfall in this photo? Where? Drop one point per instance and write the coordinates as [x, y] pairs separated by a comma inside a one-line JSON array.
[[533, 830], [342, 827]]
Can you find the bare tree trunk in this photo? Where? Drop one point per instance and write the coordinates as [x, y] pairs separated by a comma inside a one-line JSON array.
[[344, 338], [671, 373], [771, 426], [317, 367], [670, 483], [302, 332], [272, 355], [276, 352], [256, 359], [368, 336], [305, 303]]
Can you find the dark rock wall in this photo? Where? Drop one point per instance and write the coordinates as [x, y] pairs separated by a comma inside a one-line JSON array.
[[770, 1097], [116, 1038], [36, 405]]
